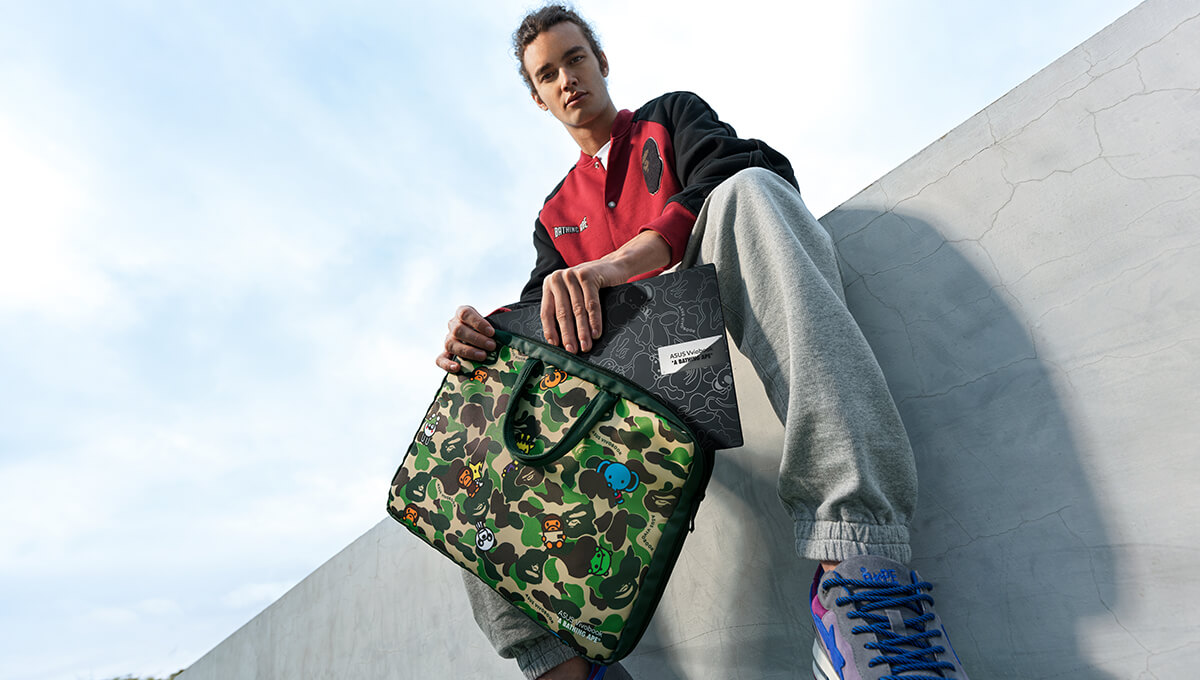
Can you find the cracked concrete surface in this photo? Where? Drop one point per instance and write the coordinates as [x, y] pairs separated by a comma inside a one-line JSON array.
[[1029, 283], [1033, 301]]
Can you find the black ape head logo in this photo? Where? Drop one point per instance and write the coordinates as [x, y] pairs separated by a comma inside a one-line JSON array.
[[652, 166]]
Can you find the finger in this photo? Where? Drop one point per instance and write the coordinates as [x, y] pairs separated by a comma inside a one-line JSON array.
[[471, 317], [464, 350], [549, 325], [471, 327], [561, 311], [591, 302], [471, 337], [577, 287], [566, 323], [446, 362]]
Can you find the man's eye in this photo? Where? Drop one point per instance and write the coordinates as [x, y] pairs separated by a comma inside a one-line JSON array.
[[576, 59]]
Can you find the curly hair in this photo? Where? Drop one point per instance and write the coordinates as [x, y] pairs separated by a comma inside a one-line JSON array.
[[544, 19]]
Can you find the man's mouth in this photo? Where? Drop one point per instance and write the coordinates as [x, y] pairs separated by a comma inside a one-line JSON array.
[[576, 97]]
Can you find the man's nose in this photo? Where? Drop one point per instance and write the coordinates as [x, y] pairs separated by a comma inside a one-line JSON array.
[[569, 79]]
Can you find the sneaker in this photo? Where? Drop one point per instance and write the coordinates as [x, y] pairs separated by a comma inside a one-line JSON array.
[[876, 623]]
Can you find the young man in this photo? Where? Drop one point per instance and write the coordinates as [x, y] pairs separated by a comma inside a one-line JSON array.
[[660, 186]]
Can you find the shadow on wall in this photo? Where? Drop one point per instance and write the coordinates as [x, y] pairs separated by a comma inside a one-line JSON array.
[[739, 607], [1006, 514]]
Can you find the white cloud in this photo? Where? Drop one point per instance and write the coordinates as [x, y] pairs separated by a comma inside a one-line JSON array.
[[112, 616], [43, 269], [131, 614], [159, 607], [255, 594]]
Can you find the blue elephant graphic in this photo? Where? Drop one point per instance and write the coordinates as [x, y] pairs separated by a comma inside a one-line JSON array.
[[619, 477]]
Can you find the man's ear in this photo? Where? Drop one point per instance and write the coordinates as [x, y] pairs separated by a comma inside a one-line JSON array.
[[538, 100], [603, 64]]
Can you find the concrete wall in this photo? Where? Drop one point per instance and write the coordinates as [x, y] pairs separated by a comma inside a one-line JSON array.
[[1029, 283]]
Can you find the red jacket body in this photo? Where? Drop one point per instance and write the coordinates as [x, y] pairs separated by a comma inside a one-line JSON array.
[[664, 160]]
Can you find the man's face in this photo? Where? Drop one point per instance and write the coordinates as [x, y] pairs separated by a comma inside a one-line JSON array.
[[567, 76]]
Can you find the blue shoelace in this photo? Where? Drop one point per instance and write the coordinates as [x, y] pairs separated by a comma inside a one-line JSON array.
[[903, 653]]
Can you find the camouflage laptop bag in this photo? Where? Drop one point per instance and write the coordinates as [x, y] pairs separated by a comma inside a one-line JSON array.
[[562, 486]]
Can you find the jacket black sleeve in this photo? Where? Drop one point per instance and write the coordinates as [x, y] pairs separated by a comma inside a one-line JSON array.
[[548, 260], [707, 150]]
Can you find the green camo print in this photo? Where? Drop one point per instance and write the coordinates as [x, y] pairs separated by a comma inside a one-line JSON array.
[[569, 542]]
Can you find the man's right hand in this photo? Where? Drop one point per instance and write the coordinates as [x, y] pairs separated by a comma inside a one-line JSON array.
[[571, 315], [470, 337]]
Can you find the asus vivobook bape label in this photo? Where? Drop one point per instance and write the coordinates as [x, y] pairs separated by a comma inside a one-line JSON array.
[[692, 354]]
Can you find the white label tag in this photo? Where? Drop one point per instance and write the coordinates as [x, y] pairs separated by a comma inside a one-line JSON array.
[[692, 354]]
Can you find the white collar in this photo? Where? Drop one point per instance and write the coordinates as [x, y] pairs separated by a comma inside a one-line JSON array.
[[602, 154]]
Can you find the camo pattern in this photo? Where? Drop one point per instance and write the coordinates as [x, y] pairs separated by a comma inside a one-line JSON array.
[[568, 543]]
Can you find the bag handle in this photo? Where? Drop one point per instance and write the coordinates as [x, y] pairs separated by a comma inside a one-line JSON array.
[[592, 413]]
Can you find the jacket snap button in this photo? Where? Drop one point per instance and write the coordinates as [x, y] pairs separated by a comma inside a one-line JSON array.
[[612, 204]]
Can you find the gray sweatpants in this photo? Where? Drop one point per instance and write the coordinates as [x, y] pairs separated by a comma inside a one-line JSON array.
[[847, 474]]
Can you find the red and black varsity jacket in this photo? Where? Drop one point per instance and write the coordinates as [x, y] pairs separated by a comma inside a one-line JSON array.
[[665, 159]]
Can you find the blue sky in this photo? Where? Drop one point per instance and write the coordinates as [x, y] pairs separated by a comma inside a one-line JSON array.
[[231, 234]]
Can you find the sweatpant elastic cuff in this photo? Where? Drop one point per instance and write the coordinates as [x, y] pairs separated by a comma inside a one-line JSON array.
[[541, 655], [837, 541]]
